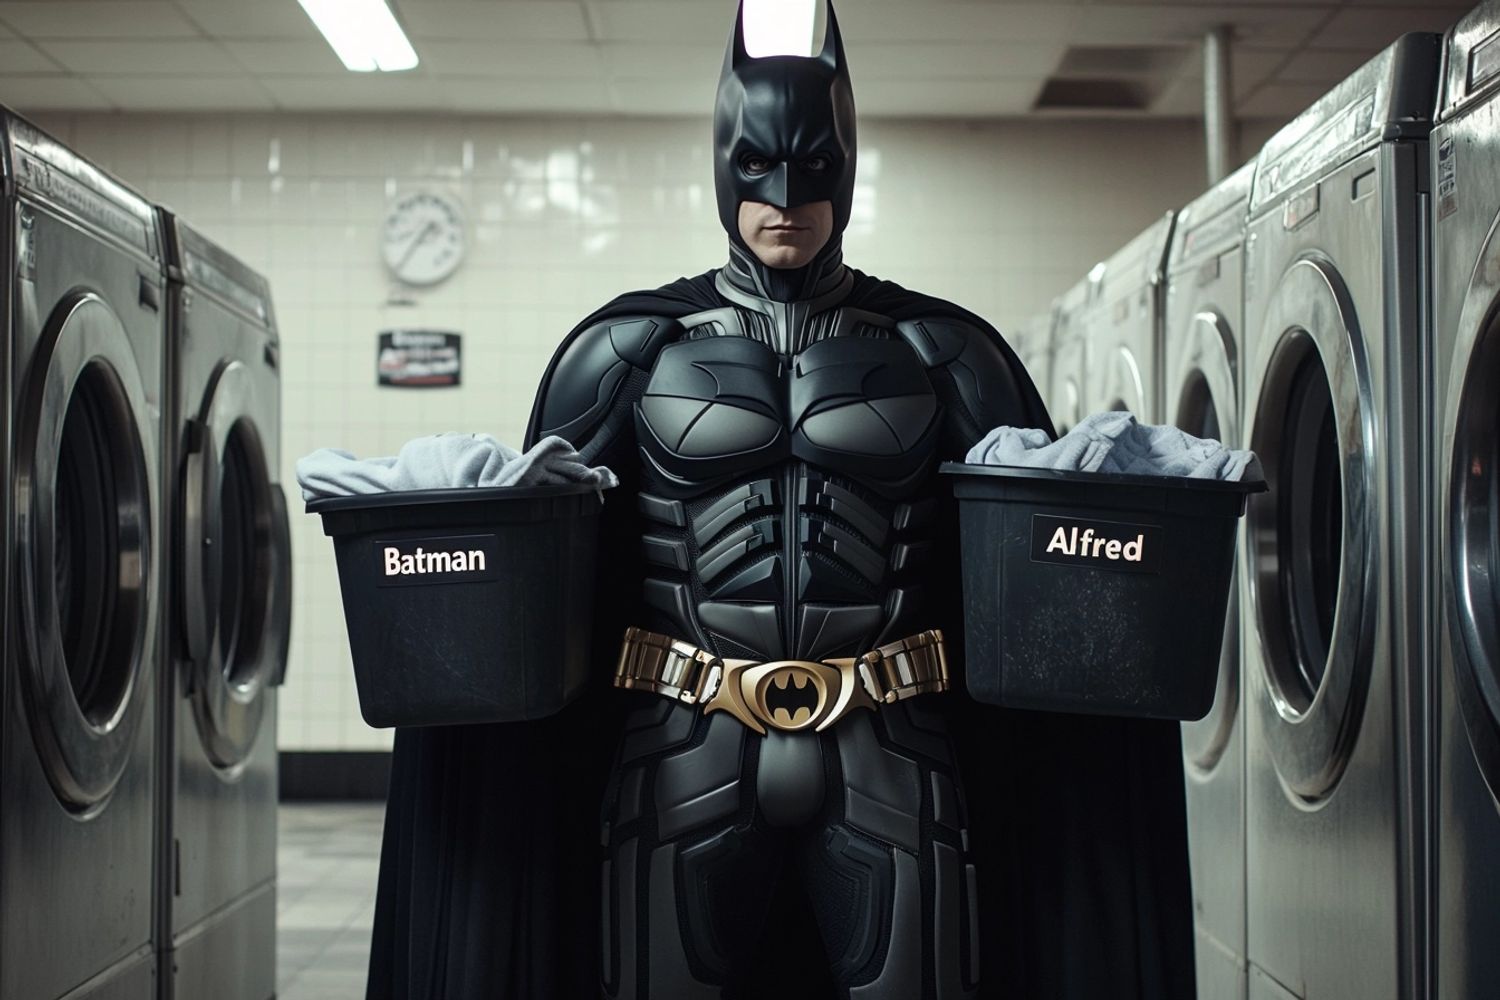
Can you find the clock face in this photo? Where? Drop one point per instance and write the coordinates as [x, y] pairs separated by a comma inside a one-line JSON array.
[[423, 240]]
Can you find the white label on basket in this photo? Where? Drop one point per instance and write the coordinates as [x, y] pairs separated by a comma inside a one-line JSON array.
[[1132, 548], [455, 559]]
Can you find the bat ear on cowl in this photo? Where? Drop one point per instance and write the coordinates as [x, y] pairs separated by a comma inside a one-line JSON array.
[[738, 54], [832, 55]]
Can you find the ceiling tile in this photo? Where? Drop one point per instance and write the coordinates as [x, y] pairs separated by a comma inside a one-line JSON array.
[[1260, 26], [954, 22], [1462, 8], [1280, 100], [250, 18], [544, 60], [137, 58], [50, 93], [645, 61], [1325, 66], [513, 20], [183, 93], [19, 58], [1247, 68], [1373, 28], [97, 19], [947, 99], [654, 20], [936, 61], [1181, 99], [311, 57], [1305, 4]]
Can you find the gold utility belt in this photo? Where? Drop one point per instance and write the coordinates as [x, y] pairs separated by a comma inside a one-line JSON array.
[[790, 695]]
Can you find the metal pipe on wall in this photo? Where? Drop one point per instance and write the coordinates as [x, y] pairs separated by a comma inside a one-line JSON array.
[[1218, 106]]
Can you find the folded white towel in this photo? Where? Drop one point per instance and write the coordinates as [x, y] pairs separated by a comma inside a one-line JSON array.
[[1116, 443], [446, 461]]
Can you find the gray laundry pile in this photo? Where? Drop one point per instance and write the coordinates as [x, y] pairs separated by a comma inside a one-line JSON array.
[[447, 461], [1117, 443]]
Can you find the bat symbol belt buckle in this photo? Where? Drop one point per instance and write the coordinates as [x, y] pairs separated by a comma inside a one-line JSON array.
[[790, 695]]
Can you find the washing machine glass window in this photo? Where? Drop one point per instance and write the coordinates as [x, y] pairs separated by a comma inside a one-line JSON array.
[[1197, 413], [244, 551], [1476, 536], [1310, 529], [1298, 535], [94, 506]]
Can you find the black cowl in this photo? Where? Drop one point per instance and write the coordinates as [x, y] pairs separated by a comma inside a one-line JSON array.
[[793, 111]]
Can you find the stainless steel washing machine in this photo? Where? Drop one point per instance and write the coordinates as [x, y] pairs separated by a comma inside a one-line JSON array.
[[1465, 379], [1204, 330], [1069, 371], [1334, 317], [83, 314], [1124, 328], [228, 616]]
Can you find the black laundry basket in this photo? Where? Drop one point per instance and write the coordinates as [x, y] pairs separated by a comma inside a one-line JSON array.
[[466, 605], [1095, 593]]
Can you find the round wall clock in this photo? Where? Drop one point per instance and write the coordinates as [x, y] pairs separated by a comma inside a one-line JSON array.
[[423, 238]]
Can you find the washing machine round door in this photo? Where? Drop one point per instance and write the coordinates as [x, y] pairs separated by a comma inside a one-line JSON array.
[[1124, 387], [86, 445], [1207, 407], [1469, 513], [234, 569], [1311, 543], [1066, 406]]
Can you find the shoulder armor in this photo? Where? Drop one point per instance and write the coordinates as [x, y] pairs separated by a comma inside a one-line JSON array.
[[991, 386], [589, 368], [936, 341]]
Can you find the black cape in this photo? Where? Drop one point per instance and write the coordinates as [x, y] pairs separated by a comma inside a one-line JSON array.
[[489, 871]]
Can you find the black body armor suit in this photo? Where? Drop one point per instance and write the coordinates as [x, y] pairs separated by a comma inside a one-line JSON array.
[[782, 447], [784, 465], [777, 435]]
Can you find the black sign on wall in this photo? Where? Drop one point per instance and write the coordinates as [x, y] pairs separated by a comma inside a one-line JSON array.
[[419, 359]]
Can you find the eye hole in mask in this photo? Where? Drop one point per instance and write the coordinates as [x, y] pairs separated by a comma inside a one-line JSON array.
[[755, 164]]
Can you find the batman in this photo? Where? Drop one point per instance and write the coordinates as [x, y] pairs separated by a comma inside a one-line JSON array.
[[781, 790]]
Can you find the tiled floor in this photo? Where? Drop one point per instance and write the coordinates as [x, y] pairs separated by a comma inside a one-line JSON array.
[[325, 899]]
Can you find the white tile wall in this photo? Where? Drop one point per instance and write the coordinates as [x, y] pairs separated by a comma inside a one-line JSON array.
[[563, 216]]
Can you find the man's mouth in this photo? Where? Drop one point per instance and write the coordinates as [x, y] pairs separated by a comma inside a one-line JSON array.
[[786, 228]]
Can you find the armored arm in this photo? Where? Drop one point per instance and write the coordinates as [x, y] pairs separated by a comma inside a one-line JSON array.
[[587, 397]]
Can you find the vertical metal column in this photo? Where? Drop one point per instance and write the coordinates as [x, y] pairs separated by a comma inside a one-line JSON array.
[[1218, 106]]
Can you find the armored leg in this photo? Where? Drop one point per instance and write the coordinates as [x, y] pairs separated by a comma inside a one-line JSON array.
[[685, 880], [889, 873]]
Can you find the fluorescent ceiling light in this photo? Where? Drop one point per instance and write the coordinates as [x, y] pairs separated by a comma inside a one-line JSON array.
[[363, 33], [784, 27]]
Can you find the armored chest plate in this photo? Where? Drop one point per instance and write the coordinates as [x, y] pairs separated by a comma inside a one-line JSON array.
[[724, 406]]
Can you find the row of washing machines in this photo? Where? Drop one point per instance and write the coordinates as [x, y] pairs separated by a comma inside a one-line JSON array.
[[1335, 305], [145, 593]]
